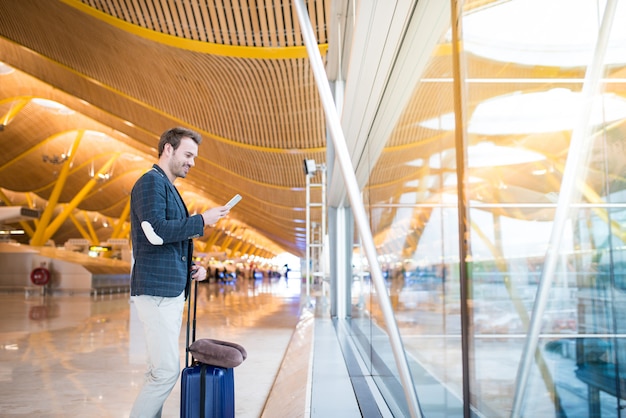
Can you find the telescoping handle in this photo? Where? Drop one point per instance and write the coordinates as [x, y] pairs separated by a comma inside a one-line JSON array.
[[195, 308], [193, 321]]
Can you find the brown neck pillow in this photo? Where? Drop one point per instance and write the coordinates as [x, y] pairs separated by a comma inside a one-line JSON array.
[[218, 353]]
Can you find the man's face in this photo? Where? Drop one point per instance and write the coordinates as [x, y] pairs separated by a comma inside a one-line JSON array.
[[182, 159]]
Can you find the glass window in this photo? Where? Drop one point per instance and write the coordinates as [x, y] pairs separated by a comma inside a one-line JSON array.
[[527, 100]]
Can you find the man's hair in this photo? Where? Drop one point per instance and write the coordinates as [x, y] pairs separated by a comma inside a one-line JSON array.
[[175, 135]]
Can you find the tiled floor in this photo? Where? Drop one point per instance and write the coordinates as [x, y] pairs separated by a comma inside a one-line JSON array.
[[82, 356]]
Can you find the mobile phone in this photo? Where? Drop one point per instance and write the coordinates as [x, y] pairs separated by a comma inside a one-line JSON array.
[[232, 202]]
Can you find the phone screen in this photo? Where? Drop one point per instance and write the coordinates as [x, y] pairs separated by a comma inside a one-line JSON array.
[[232, 202]]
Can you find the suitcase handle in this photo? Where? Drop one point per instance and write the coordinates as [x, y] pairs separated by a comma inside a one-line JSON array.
[[193, 330]]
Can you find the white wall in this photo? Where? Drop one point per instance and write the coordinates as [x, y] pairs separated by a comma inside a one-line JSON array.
[[18, 261]]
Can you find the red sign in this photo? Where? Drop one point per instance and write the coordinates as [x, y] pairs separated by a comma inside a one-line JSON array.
[[40, 276]]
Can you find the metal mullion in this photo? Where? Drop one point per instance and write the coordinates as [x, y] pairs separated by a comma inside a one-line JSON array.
[[343, 158], [463, 203]]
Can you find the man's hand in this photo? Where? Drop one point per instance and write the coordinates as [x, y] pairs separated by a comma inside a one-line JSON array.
[[198, 273], [213, 215]]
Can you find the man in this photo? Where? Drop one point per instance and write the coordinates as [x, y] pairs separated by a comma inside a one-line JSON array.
[[162, 233]]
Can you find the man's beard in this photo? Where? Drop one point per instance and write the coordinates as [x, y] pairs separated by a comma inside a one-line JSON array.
[[179, 170]]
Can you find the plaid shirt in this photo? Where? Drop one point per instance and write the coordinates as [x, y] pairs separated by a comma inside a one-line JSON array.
[[162, 233]]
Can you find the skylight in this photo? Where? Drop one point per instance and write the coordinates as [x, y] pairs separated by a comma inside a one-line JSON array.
[[526, 113], [559, 33], [486, 154]]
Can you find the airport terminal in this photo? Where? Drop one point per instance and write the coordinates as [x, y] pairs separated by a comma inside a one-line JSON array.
[[432, 214]]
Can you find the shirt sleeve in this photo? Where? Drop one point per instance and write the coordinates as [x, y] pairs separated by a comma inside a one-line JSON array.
[[159, 216]]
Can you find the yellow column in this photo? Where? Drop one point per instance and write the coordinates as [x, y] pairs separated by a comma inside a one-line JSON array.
[[229, 238], [39, 236], [54, 226], [25, 226], [93, 237], [119, 225], [15, 108], [80, 228], [214, 237]]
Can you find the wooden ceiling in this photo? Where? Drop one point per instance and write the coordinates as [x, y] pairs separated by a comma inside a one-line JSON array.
[[235, 71]]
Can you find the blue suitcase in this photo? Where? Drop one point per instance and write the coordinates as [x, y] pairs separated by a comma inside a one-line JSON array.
[[207, 391]]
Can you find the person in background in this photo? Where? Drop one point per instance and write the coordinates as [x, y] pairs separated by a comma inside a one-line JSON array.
[[287, 270], [162, 236]]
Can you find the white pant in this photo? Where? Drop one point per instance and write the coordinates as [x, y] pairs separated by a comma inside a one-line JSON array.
[[161, 318]]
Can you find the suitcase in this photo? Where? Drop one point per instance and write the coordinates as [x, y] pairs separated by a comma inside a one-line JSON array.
[[206, 391]]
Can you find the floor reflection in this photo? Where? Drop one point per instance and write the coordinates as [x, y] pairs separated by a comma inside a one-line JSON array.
[[82, 355]]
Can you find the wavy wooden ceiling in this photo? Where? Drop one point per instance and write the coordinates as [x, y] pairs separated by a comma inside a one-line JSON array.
[[235, 71]]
